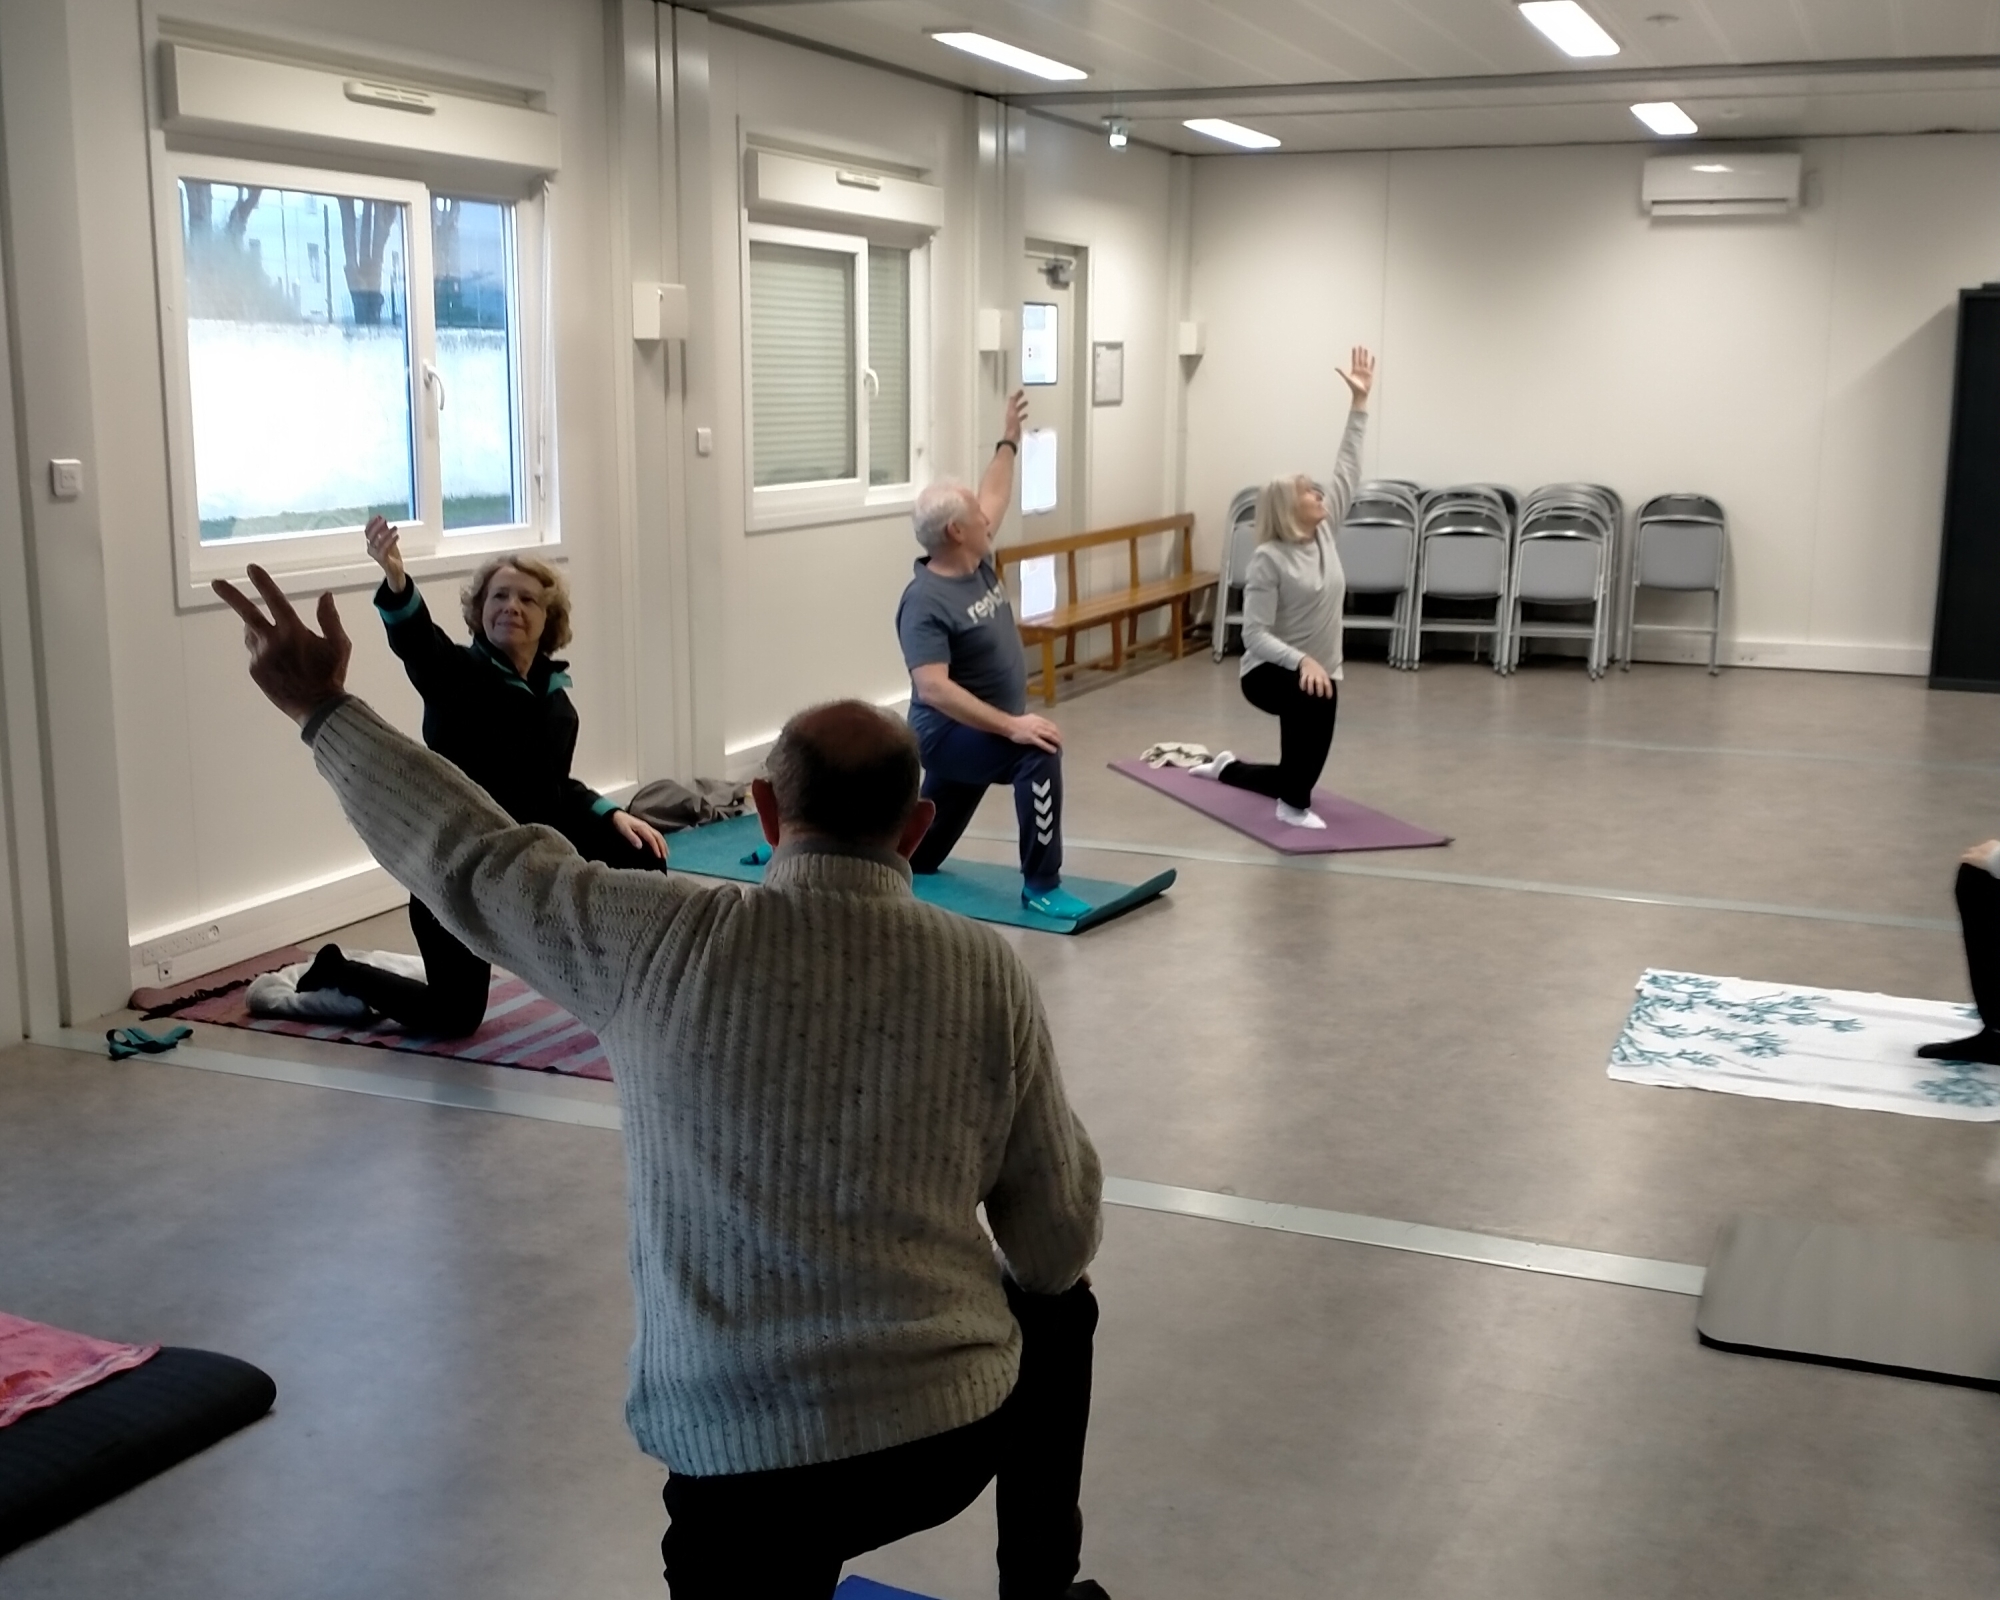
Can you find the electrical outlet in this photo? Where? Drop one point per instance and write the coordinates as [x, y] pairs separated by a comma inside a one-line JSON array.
[[161, 952], [66, 479]]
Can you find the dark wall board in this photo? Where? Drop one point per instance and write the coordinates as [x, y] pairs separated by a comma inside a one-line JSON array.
[[1965, 645]]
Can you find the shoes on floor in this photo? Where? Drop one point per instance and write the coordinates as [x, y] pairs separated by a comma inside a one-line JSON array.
[[1983, 1047], [1056, 902], [1212, 767], [1293, 817]]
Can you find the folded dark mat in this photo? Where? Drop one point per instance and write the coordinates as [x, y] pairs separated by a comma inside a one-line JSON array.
[[59, 1462]]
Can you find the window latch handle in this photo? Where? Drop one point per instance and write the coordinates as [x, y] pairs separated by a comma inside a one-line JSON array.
[[871, 382], [434, 380]]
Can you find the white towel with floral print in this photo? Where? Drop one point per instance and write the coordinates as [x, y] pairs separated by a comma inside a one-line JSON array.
[[1834, 1047]]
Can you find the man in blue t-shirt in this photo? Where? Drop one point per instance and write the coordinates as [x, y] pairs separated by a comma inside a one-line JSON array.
[[969, 681]]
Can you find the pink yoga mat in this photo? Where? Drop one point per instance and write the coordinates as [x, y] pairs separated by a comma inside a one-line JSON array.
[[1349, 824], [521, 1029]]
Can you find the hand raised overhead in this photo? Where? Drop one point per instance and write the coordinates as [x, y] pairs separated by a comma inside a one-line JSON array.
[[1360, 376], [298, 670], [1017, 417]]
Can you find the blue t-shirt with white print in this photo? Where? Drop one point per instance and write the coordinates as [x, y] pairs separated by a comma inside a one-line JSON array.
[[967, 624]]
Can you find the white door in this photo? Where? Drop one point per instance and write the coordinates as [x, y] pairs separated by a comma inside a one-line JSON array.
[[1049, 483]]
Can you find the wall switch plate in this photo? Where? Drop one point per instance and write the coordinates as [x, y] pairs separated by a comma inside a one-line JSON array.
[[704, 441], [66, 479]]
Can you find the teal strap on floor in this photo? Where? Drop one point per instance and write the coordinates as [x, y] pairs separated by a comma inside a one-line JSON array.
[[127, 1042], [974, 889]]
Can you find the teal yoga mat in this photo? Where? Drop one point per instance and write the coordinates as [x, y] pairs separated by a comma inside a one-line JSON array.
[[971, 888]]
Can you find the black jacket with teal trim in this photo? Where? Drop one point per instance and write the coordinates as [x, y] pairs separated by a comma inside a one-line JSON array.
[[515, 737]]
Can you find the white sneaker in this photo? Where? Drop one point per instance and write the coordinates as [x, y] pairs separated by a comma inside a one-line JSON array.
[[1291, 816], [1212, 767]]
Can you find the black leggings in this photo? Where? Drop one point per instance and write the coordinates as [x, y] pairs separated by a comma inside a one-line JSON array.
[[449, 1001], [1979, 917], [783, 1534], [1305, 734]]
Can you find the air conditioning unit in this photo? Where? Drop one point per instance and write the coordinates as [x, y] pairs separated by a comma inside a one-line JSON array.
[[1725, 185]]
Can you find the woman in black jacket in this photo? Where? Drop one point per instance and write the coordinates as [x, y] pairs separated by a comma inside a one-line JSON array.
[[497, 708]]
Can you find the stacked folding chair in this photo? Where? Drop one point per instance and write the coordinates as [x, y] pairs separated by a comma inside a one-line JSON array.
[[1680, 542], [1378, 553], [1566, 556], [1465, 539], [1239, 540]]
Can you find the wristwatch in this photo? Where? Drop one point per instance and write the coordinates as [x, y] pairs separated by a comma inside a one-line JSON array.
[[1010, 444]]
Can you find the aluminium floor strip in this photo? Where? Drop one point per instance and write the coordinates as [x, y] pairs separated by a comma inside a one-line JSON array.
[[1341, 867], [1416, 1238]]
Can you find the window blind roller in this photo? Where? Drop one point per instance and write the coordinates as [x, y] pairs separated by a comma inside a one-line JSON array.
[[889, 357], [801, 364]]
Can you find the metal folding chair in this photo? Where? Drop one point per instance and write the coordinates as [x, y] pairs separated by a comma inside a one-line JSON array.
[[1464, 551], [1561, 558], [1239, 539], [1378, 555], [1680, 543]]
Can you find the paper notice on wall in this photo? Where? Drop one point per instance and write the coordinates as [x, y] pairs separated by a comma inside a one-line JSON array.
[[1038, 343], [1038, 471], [1038, 586]]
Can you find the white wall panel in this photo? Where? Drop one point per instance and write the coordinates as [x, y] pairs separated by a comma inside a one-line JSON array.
[[1115, 204], [1535, 325], [1917, 220], [220, 804]]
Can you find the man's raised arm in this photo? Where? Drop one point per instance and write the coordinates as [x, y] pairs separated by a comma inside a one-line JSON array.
[[996, 488], [519, 897]]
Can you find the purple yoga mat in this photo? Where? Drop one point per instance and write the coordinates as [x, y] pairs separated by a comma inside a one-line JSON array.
[[1349, 824]]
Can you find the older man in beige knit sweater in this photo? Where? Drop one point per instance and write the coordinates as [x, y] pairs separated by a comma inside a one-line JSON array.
[[823, 1081]]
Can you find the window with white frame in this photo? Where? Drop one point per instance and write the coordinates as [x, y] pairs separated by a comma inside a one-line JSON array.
[[836, 329], [340, 346]]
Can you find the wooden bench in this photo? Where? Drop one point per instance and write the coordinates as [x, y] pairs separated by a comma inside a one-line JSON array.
[[1117, 609]]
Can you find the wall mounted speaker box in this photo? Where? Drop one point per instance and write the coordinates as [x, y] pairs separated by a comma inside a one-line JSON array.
[[1965, 645]]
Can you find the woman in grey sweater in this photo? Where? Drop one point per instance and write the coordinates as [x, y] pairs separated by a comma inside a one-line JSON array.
[[1293, 598]]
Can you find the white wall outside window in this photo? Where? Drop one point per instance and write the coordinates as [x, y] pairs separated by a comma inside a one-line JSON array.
[[291, 417], [836, 350]]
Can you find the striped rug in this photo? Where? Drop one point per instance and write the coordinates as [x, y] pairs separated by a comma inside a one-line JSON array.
[[521, 1030]]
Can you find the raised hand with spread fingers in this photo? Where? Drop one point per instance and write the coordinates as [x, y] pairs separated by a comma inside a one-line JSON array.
[[1359, 375], [298, 670]]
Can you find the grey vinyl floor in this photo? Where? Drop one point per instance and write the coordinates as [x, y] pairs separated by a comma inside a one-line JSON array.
[[441, 1293]]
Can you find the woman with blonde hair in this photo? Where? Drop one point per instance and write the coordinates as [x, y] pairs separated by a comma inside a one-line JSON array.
[[1293, 599], [499, 709]]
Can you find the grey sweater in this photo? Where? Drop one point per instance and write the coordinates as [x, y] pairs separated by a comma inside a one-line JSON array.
[[1294, 594], [822, 1079]]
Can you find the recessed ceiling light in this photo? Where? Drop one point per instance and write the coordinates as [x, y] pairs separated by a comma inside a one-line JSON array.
[[1010, 55], [1713, 166], [1231, 133], [1570, 28], [1664, 117]]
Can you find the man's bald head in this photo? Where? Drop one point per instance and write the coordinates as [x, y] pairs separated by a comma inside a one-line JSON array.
[[848, 771]]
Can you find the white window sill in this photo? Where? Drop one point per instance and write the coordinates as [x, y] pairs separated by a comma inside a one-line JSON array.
[[896, 503], [361, 573]]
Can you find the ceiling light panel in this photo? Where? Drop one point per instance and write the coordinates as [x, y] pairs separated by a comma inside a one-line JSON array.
[[1664, 117], [1232, 133], [1011, 55], [1570, 28]]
